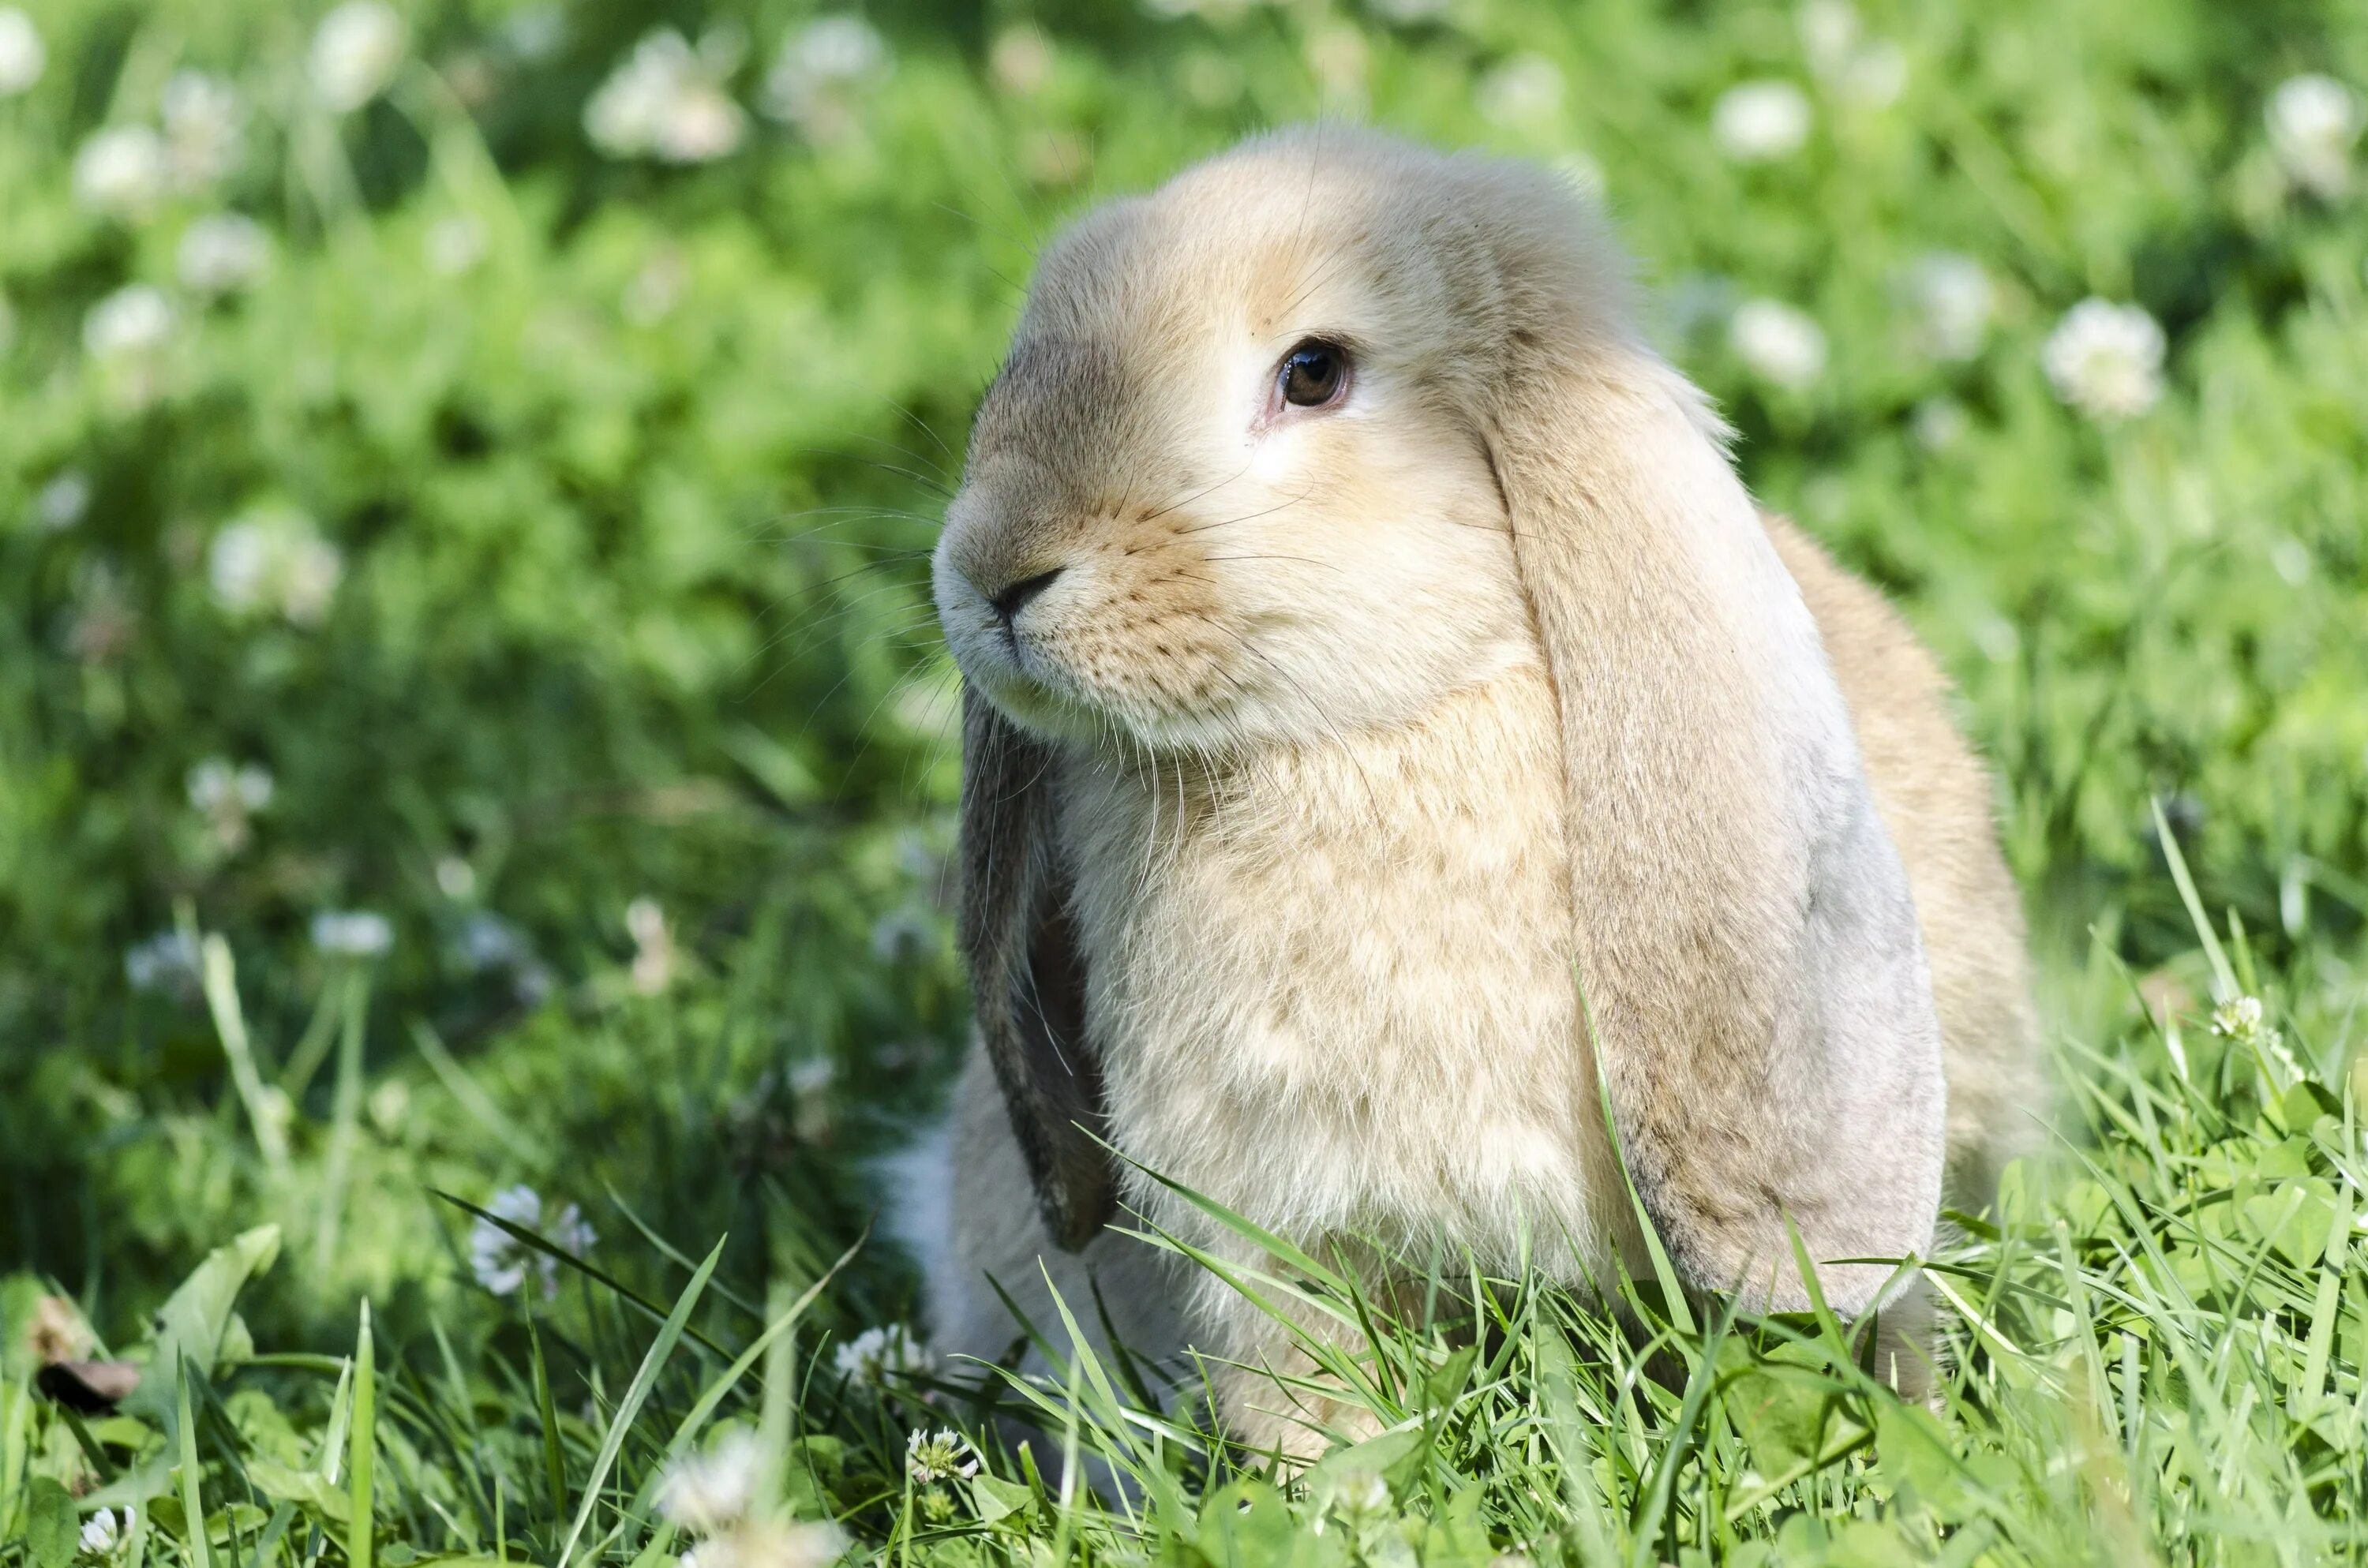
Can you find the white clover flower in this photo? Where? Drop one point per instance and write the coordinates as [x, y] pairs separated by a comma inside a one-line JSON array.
[[133, 320], [1830, 33], [942, 1455], [1938, 423], [2313, 121], [120, 172], [221, 254], [352, 933], [216, 784], [229, 796], [2105, 359], [1875, 76], [168, 961], [1020, 60], [1953, 299], [486, 941], [536, 32], [1780, 344], [1524, 92], [23, 56], [273, 560], [454, 244], [1361, 1494], [871, 1356], [2240, 1017], [390, 1106], [1759, 122], [667, 101], [712, 1491], [822, 71], [60, 504], [355, 53], [654, 953], [203, 124], [502, 1263], [100, 1534]]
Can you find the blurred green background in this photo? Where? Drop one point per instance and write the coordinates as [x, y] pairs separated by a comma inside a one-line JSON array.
[[466, 472]]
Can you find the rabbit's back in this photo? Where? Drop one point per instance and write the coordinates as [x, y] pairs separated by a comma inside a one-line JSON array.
[[1935, 798]]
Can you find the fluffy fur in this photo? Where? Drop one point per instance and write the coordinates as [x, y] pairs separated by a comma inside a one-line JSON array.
[[1359, 759]]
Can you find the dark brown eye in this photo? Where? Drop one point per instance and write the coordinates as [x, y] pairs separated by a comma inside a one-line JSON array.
[[1314, 373]]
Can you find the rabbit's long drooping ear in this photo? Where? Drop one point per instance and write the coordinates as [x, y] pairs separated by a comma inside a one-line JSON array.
[[1747, 941], [1027, 973]]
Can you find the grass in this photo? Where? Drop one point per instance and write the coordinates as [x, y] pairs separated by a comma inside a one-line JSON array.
[[475, 790]]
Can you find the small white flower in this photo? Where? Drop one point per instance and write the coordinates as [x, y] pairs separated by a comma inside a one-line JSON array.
[[133, 320], [2240, 1017], [1938, 423], [355, 53], [222, 252], [100, 1534], [454, 245], [1830, 32], [1953, 299], [1759, 122], [390, 1107], [822, 71], [2313, 121], [502, 1263], [943, 1455], [352, 933], [120, 172], [657, 288], [712, 1491], [273, 559], [1780, 344], [167, 962], [487, 942], [62, 501], [1875, 76], [870, 1357], [203, 124], [667, 101], [654, 955], [1020, 60], [2105, 359], [23, 56], [536, 32], [229, 796], [1524, 92], [1361, 1494]]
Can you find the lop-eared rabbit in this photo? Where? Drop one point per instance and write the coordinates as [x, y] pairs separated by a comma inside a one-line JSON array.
[[1383, 698]]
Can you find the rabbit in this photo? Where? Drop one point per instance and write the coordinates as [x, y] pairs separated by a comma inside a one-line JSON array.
[[1382, 697]]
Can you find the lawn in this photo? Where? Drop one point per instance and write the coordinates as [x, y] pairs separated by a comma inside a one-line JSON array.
[[476, 769]]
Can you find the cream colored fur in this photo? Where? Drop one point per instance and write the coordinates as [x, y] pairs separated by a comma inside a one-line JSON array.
[[1365, 732]]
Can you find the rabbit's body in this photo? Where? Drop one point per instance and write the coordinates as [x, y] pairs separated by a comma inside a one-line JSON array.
[[1322, 756]]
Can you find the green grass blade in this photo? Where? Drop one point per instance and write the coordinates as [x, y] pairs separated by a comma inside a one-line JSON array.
[[362, 1473], [638, 1391]]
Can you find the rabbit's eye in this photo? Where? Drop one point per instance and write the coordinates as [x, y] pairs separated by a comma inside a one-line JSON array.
[[1315, 374]]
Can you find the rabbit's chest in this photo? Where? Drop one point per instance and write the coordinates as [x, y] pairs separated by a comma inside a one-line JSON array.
[[1333, 992]]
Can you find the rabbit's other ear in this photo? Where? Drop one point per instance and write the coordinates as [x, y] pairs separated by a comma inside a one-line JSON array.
[[1026, 971], [1745, 939]]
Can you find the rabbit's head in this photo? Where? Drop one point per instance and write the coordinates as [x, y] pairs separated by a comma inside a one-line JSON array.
[[1328, 426], [1229, 486]]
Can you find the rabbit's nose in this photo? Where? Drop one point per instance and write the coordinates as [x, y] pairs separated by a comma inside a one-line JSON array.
[[1016, 596]]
